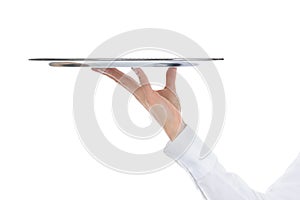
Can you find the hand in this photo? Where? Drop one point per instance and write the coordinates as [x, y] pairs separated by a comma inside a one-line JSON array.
[[163, 104]]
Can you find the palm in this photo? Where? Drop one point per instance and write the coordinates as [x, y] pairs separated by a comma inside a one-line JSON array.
[[170, 96]]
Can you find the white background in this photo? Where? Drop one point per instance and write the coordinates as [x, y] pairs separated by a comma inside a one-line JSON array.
[[41, 155]]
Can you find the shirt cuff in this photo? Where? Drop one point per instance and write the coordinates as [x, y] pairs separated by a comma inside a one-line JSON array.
[[185, 150]]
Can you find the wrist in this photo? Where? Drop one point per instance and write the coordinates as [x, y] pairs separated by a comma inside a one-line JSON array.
[[178, 129]]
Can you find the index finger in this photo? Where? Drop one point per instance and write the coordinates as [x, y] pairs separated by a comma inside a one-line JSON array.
[[124, 80]]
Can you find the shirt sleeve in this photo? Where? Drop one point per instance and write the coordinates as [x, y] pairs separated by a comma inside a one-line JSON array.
[[209, 175], [287, 187]]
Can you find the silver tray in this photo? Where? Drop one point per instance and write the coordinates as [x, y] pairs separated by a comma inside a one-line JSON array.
[[124, 62]]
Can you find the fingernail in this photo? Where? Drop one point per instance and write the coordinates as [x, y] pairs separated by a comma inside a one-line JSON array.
[[134, 69]]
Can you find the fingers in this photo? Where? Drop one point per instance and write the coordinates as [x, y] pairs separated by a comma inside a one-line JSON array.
[[145, 90], [124, 80], [143, 79], [171, 78]]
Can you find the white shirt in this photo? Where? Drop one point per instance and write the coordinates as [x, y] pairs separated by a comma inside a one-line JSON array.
[[217, 184]]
